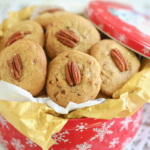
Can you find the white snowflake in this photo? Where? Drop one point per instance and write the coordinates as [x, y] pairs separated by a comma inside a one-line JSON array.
[[83, 146], [90, 11], [137, 120], [32, 144], [58, 137], [101, 26], [100, 10], [2, 141], [102, 131], [81, 127], [95, 118], [4, 122], [17, 144], [126, 142], [126, 29], [122, 38], [113, 143], [125, 123], [146, 50]]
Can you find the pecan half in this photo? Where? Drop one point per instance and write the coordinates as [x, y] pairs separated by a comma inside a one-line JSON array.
[[16, 36], [119, 60], [15, 67], [73, 75], [68, 38]]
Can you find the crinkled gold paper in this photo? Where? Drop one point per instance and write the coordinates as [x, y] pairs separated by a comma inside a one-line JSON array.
[[38, 122]]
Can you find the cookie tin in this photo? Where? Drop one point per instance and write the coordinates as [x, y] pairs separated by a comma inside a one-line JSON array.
[[122, 23], [79, 134], [90, 133]]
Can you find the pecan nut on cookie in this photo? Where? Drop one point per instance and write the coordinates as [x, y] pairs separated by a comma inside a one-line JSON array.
[[73, 76], [118, 65], [24, 64], [69, 31], [29, 30]]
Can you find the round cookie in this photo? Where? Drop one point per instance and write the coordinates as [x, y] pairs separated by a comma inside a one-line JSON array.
[[118, 64], [29, 30], [84, 87], [69, 31], [24, 64], [45, 18]]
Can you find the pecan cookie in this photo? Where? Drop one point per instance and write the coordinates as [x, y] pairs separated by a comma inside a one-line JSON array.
[[69, 31], [29, 30], [118, 64], [46, 18], [73, 77], [24, 64]]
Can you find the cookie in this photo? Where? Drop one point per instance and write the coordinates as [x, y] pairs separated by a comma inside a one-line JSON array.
[[29, 30], [118, 64], [73, 76], [24, 64], [102, 95], [69, 31], [45, 18]]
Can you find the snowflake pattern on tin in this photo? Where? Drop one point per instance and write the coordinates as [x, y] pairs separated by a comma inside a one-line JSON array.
[[145, 50], [113, 143], [17, 144], [136, 122], [122, 38], [59, 136], [100, 10], [102, 131], [81, 127], [2, 141], [4, 122], [126, 142], [125, 123], [29, 142], [126, 29], [83, 146]]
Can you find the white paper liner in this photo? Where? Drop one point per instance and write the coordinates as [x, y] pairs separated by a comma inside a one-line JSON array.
[[10, 92], [41, 8]]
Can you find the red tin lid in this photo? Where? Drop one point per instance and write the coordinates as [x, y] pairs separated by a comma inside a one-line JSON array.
[[122, 23]]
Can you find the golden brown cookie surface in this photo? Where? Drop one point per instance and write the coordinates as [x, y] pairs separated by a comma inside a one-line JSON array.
[[45, 18], [118, 64], [69, 31], [24, 64], [29, 30], [102, 95], [59, 87]]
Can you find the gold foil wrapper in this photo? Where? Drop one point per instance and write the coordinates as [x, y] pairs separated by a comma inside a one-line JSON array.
[[39, 122]]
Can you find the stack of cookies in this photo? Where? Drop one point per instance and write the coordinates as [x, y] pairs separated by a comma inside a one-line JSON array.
[[80, 67]]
